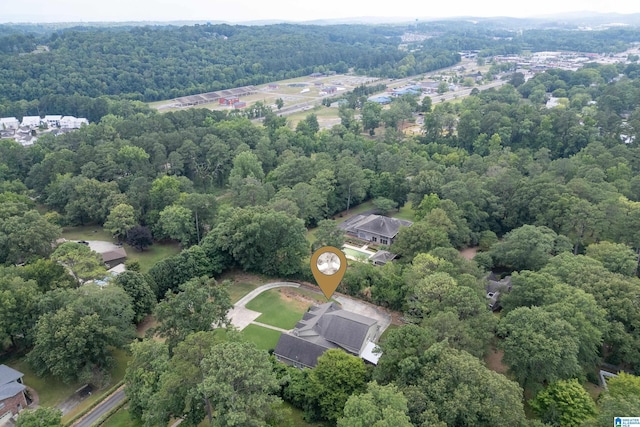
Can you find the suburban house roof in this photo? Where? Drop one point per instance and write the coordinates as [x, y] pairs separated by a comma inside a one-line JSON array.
[[371, 353], [375, 224], [382, 257], [114, 254], [10, 390], [8, 374], [298, 350], [9, 385], [495, 288], [321, 328], [108, 250]]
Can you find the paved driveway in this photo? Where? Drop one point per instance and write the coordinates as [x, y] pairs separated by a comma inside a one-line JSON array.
[[240, 316]]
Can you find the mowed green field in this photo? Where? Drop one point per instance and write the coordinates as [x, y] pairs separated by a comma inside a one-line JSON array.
[[278, 309]]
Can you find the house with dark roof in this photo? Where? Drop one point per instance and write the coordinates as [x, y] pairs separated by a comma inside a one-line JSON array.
[[495, 289], [12, 393], [325, 327], [374, 228], [382, 257]]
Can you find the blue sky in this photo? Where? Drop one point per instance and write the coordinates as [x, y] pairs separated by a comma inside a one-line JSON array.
[[294, 10]]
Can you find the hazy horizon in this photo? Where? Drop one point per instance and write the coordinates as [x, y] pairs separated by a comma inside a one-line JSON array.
[[41, 11]]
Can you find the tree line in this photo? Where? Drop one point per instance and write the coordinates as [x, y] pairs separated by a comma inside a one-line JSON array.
[[557, 209]]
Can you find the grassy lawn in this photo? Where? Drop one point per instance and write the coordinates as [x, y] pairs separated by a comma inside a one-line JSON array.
[[406, 212], [238, 290], [122, 358], [386, 332], [146, 258], [355, 210], [53, 391], [152, 254], [296, 418], [263, 338], [278, 309], [121, 419]]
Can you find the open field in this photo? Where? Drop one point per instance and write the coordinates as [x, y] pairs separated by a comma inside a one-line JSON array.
[[291, 95], [278, 309], [146, 258]]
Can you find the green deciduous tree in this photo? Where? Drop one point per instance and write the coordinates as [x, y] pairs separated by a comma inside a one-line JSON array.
[[328, 234], [528, 248], [380, 406], [259, 240], [200, 305], [73, 343], [142, 297], [25, 236], [41, 417], [149, 360], [402, 355], [176, 223], [456, 389], [538, 347], [616, 257], [564, 403], [371, 112], [337, 376], [240, 385], [384, 205], [178, 392], [418, 238], [83, 263], [121, 219]]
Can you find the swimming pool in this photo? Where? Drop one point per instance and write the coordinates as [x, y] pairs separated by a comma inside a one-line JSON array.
[[356, 253]]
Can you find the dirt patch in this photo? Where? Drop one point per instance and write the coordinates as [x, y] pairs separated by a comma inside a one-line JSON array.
[[146, 324], [469, 253], [494, 361], [290, 296]]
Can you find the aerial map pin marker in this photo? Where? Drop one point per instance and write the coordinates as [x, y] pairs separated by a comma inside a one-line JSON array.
[[328, 265]]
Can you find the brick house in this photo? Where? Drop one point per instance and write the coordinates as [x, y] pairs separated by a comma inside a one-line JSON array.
[[12, 393]]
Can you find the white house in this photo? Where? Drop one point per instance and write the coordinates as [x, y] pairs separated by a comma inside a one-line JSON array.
[[52, 120], [71, 122], [7, 123], [30, 122]]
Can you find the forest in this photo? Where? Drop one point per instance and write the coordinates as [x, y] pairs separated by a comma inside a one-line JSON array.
[[549, 196]]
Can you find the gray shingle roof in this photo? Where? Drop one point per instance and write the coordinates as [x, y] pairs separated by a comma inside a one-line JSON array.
[[10, 390], [300, 350], [382, 257], [324, 327], [376, 224], [8, 374], [348, 330]]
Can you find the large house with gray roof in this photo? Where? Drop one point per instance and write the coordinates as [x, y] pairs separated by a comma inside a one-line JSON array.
[[325, 327], [374, 228], [12, 393]]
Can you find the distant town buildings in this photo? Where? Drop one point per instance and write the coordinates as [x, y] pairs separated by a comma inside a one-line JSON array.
[[26, 131]]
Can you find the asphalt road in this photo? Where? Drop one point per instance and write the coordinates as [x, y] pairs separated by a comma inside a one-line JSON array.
[[101, 409]]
